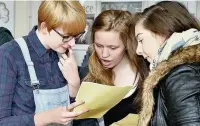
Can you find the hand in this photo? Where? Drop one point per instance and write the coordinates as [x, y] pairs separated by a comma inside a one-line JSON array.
[[69, 69], [60, 115]]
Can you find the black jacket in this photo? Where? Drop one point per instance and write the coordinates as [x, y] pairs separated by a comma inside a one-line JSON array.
[[171, 95], [177, 97], [5, 35]]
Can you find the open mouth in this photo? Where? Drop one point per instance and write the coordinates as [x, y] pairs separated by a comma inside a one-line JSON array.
[[106, 62]]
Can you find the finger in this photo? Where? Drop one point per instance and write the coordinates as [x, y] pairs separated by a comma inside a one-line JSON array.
[[62, 61], [64, 56], [75, 114], [74, 105], [60, 65], [70, 53], [66, 121], [83, 111]]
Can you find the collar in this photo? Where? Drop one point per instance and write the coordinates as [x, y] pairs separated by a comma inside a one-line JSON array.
[[36, 43]]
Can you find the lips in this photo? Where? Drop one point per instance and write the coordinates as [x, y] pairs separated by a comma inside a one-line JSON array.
[[106, 62]]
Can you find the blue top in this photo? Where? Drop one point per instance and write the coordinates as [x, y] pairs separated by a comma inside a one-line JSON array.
[[17, 105]]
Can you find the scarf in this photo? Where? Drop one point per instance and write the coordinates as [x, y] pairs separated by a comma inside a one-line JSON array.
[[176, 41]]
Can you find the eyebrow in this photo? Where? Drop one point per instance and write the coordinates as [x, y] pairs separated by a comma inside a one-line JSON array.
[[107, 45], [138, 35]]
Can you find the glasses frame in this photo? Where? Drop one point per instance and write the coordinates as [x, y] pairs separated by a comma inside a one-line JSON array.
[[69, 37]]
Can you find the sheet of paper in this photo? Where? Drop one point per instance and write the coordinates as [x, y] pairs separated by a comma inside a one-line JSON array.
[[99, 98], [130, 120]]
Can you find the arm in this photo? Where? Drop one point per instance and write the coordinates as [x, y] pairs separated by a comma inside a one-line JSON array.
[[71, 73], [182, 95], [8, 81], [59, 115], [82, 73], [68, 66], [7, 90]]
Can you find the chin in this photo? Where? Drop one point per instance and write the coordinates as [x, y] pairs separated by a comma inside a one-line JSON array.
[[107, 67], [110, 67], [149, 60]]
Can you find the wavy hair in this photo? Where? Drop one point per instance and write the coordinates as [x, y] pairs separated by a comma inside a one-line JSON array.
[[120, 22]]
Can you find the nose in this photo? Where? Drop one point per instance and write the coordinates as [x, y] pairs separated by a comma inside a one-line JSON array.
[[139, 49], [71, 42], [105, 53]]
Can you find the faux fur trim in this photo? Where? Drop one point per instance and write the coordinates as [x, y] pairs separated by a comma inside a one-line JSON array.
[[189, 54]]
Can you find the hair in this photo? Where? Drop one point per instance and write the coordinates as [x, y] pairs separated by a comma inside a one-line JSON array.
[[167, 17], [68, 14], [118, 21], [5, 35]]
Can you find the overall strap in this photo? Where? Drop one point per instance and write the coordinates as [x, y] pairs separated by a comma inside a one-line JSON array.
[[25, 51]]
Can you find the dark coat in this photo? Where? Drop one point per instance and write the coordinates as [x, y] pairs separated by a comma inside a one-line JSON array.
[[5, 35], [171, 92]]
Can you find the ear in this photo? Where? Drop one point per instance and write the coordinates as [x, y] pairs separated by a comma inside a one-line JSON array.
[[43, 28]]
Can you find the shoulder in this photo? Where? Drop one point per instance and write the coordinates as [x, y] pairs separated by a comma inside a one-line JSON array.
[[192, 68], [9, 49], [182, 75], [5, 30]]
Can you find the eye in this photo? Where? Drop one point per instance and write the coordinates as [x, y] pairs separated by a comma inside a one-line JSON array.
[[113, 48], [141, 40], [98, 45]]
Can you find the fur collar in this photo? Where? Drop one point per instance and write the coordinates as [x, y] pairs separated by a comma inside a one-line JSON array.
[[188, 54]]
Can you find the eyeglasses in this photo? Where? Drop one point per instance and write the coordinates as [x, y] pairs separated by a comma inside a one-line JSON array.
[[68, 38]]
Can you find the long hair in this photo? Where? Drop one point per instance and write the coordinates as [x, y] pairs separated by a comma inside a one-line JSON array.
[[120, 22], [167, 17]]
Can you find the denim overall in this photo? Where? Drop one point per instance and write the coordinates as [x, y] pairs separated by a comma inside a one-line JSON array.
[[44, 99]]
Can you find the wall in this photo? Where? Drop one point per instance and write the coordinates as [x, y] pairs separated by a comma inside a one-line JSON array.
[[21, 18], [26, 15]]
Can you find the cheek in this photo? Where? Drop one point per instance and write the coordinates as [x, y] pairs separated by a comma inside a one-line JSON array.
[[98, 51], [118, 54], [57, 43], [146, 49], [150, 49]]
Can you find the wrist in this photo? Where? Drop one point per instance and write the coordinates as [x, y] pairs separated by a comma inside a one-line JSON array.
[[42, 119], [75, 84], [73, 89]]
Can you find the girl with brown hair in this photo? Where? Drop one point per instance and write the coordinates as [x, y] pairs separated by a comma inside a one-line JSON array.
[[114, 61], [168, 37]]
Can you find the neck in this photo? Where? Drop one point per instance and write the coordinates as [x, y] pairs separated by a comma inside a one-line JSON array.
[[41, 38], [124, 75], [123, 62]]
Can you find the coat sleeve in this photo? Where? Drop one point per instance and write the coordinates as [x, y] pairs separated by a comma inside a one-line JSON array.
[[182, 96]]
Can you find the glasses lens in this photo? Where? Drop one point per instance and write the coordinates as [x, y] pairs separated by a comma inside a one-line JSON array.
[[79, 36], [67, 39]]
